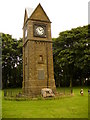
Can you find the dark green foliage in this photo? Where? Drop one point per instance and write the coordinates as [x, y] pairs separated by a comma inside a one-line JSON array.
[[72, 56], [71, 51], [11, 61]]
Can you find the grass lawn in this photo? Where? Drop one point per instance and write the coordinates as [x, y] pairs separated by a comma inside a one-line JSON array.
[[64, 107]]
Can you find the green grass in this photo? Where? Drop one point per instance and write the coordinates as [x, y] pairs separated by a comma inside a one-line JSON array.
[[64, 107]]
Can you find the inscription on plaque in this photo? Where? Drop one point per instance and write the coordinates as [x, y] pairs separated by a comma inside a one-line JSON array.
[[41, 75]]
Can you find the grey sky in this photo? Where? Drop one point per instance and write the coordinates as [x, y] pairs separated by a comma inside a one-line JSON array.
[[64, 14]]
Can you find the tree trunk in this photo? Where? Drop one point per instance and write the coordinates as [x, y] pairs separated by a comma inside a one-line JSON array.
[[59, 83], [71, 85]]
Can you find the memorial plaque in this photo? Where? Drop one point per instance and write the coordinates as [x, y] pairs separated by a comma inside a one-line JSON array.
[[41, 75]]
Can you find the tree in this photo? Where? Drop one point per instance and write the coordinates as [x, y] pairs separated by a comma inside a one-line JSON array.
[[71, 54], [11, 61]]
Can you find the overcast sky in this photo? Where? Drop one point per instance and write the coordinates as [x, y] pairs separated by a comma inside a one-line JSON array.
[[64, 14]]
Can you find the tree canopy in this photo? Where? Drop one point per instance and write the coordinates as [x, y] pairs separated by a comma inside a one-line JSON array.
[[71, 55], [11, 61]]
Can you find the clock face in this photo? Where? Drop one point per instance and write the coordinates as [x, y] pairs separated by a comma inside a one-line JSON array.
[[39, 30]]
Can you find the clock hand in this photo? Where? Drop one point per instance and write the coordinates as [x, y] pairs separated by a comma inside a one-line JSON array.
[[39, 28]]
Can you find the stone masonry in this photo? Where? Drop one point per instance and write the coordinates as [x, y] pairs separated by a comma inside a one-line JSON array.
[[38, 70]]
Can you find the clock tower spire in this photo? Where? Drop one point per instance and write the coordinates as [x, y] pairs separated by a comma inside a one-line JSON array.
[[37, 53]]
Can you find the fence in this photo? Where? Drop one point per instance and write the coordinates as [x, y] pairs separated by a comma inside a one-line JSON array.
[[18, 92], [12, 93]]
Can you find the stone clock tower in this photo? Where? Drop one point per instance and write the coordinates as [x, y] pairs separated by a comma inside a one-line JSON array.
[[37, 53]]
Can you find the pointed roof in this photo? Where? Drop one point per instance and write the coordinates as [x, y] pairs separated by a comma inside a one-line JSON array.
[[36, 14], [25, 16], [29, 11]]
